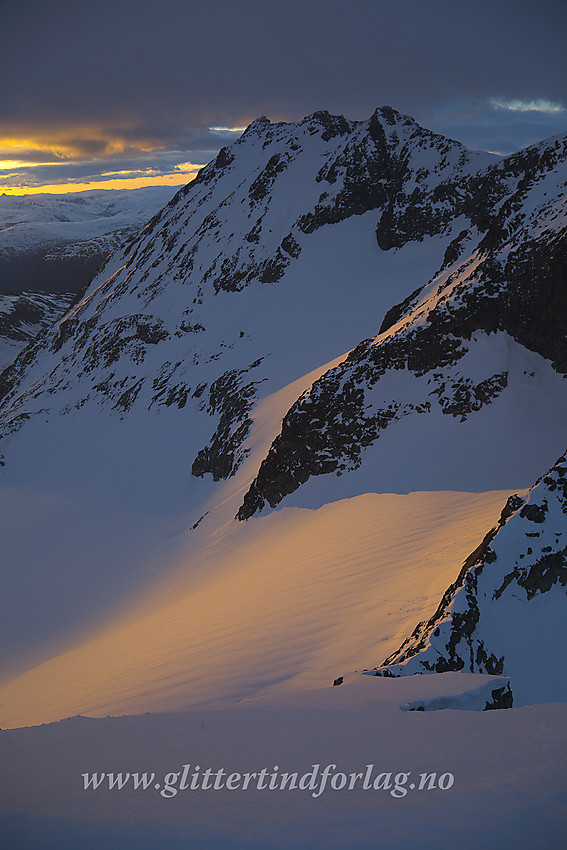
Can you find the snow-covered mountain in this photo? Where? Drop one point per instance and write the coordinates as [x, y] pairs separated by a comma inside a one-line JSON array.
[[56, 242], [320, 372], [478, 331], [300, 412]]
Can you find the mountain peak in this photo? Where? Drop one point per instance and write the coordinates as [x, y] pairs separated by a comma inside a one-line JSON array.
[[257, 126], [392, 116], [246, 221]]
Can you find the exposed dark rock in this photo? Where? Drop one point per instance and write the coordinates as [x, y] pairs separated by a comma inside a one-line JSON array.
[[130, 335], [291, 246], [129, 396], [326, 430], [535, 513], [199, 521], [501, 698], [66, 329], [265, 180], [454, 249], [230, 397], [540, 576], [398, 311]]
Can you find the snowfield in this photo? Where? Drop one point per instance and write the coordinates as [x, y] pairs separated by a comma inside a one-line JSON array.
[[508, 769]]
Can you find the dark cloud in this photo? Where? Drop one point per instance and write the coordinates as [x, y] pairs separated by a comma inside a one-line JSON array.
[[159, 73], [484, 126], [89, 147]]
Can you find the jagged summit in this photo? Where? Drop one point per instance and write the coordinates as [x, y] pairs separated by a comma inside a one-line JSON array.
[[323, 122]]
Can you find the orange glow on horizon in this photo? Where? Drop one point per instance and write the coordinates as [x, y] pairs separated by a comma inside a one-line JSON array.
[[175, 179], [85, 145], [102, 151]]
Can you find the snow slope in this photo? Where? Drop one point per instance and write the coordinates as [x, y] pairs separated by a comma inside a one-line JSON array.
[[506, 609], [508, 769], [293, 603]]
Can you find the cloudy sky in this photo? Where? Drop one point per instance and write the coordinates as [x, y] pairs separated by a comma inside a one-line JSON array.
[[108, 93]]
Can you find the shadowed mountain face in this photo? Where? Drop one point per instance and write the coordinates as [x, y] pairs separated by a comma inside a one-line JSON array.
[[48, 271], [331, 308]]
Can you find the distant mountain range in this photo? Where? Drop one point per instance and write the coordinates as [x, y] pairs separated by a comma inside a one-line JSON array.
[[331, 311], [55, 243], [50, 245]]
